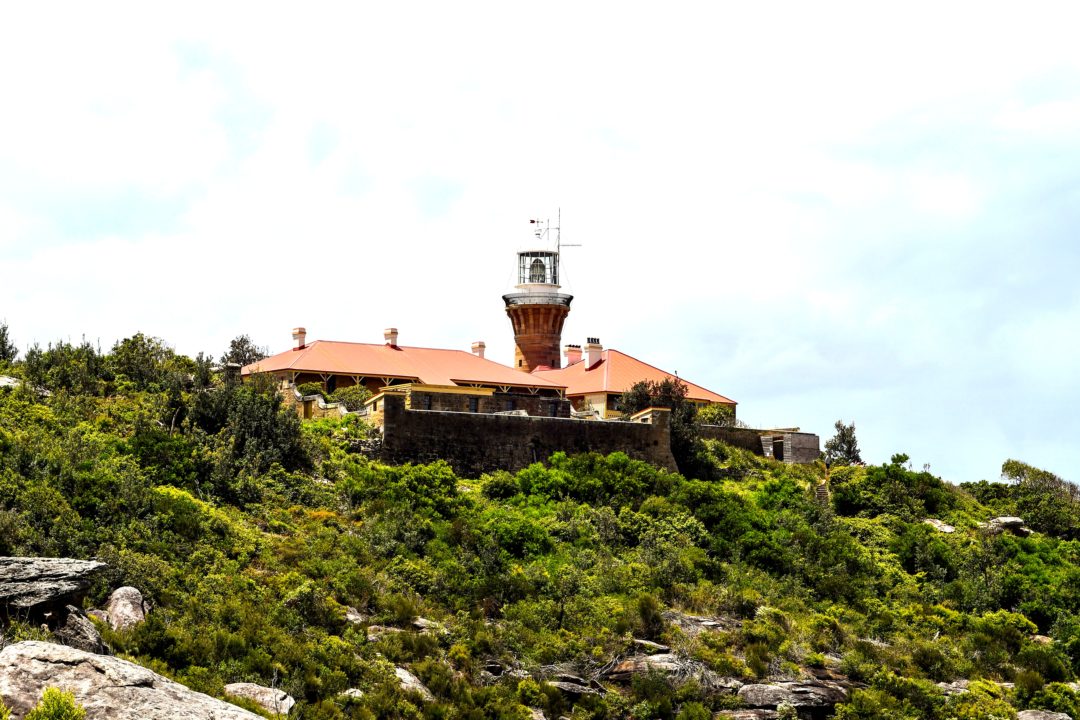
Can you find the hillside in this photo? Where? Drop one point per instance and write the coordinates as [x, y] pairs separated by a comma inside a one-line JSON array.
[[271, 551]]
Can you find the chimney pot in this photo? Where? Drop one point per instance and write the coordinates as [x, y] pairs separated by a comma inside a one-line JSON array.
[[478, 348], [390, 335], [573, 354], [593, 349], [299, 336]]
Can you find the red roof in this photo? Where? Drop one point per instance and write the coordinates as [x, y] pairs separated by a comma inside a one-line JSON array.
[[616, 372], [428, 366]]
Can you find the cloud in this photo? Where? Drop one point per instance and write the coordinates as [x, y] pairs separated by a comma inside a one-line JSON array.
[[843, 211]]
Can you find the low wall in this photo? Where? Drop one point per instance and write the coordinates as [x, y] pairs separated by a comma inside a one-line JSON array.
[[535, 405], [475, 443], [790, 447]]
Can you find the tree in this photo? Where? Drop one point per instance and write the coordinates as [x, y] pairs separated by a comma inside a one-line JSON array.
[[8, 351], [669, 393], [243, 351], [1047, 502], [843, 448], [79, 369]]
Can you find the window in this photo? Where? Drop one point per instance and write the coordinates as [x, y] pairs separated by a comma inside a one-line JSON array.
[[474, 404], [537, 271]]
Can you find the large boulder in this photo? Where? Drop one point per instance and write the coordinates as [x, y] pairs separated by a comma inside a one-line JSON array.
[[272, 700], [675, 668], [77, 631], [1007, 523], [31, 583], [813, 693], [109, 688], [411, 683], [126, 608], [1041, 715]]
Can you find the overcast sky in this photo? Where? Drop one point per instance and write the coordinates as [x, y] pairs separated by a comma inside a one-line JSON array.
[[864, 211]]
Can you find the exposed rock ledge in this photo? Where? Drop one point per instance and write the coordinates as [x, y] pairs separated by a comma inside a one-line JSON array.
[[109, 688], [800, 694], [27, 582], [273, 700]]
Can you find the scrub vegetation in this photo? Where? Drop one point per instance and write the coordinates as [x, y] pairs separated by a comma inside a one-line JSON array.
[[254, 536]]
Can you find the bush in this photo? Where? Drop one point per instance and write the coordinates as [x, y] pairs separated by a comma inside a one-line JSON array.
[[310, 388], [56, 705], [352, 397]]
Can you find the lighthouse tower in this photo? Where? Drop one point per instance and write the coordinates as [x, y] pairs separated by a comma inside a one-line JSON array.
[[537, 311]]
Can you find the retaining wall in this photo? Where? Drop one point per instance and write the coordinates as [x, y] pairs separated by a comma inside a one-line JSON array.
[[475, 443]]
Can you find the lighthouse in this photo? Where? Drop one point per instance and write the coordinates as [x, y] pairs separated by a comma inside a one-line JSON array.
[[537, 310]]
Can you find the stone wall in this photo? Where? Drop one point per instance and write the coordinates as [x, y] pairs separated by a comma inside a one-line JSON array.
[[475, 443], [534, 405], [789, 447]]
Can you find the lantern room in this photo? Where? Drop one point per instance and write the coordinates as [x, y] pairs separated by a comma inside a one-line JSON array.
[[538, 267]]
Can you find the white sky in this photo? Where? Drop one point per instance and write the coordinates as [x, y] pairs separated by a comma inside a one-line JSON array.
[[859, 211]]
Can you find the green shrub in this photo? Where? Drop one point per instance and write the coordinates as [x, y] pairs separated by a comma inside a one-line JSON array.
[[310, 388], [352, 397], [56, 704]]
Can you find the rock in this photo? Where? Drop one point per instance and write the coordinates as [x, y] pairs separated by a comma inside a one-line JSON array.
[[749, 715], [411, 683], [649, 647], [799, 694], [572, 688], [29, 583], [272, 700], [1041, 715], [126, 608], [77, 631], [536, 714], [109, 688], [694, 624], [99, 614], [1014, 525], [1042, 639], [956, 687], [353, 693], [939, 526], [374, 632], [425, 625], [354, 616], [675, 668]]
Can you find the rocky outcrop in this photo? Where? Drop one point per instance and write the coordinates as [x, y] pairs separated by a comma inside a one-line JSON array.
[[411, 683], [109, 688], [649, 647], [126, 608], [939, 525], [76, 631], [272, 700], [31, 583], [695, 624], [1010, 524], [675, 668], [1041, 715], [749, 715], [813, 693]]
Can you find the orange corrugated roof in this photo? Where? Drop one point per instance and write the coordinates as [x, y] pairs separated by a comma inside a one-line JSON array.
[[430, 366], [616, 372]]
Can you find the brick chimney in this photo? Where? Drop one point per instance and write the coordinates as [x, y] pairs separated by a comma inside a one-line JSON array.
[[299, 336], [593, 348], [390, 335], [478, 349], [573, 354]]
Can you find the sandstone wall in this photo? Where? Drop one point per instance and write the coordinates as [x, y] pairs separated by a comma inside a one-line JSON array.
[[474, 443]]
